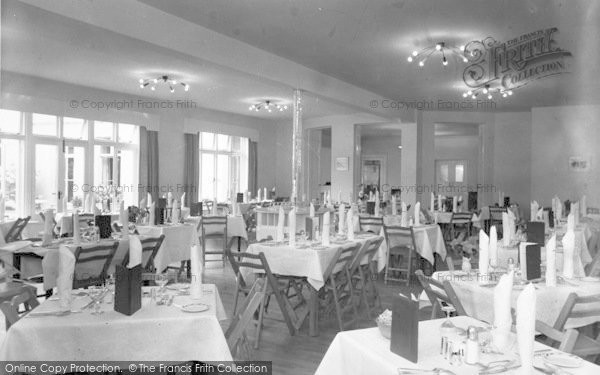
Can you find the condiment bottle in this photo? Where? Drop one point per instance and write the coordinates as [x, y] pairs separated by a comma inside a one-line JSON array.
[[472, 347]]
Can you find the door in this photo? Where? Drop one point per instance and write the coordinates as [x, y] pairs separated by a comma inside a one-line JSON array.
[[452, 176], [47, 191], [73, 173]]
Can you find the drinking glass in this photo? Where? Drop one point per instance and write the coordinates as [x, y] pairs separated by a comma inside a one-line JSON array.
[[97, 295], [161, 280], [448, 328]]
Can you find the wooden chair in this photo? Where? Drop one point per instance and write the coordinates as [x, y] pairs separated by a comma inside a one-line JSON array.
[[495, 219], [460, 223], [439, 294], [362, 273], [236, 332], [337, 291], [568, 340], [11, 311], [370, 224], [272, 287], [207, 207], [150, 247], [401, 249], [15, 232], [91, 264], [214, 227], [577, 307]]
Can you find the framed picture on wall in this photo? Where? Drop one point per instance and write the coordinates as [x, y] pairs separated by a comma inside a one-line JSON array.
[[579, 164], [341, 163]]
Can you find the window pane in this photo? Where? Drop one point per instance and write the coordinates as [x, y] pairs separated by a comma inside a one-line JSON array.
[[44, 125], [104, 130], [460, 170], [75, 128], [10, 175], [129, 133], [128, 176], [444, 173], [103, 168], [207, 176], [10, 121], [223, 142], [223, 187], [46, 176], [235, 143], [208, 141], [74, 175]]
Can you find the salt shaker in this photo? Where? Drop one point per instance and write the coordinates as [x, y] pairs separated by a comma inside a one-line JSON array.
[[472, 348]]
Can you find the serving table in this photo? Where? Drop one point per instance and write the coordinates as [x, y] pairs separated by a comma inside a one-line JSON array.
[[366, 351], [268, 217], [153, 333]]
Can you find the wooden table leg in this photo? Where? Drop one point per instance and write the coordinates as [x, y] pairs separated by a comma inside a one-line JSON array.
[[313, 317]]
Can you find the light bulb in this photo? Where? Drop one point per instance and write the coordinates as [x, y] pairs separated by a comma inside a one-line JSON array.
[[415, 53], [509, 92], [142, 86], [464, 95], [421, 63], [490, 96], [141, 80], [186, 87], [473, 97], [174, 81], [504, 95], [438, 47], [444, 61], [409, 59], [485, 90], [462, 48], [285, 107], [465, 59], [172, 89], [250, 108], [469, 92], [153, 88], [155, 80]]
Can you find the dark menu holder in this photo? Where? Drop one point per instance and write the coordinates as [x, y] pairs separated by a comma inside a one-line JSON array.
[[196, 209], [536, 232], [404, 340], [533, 262], [506, 201], [550, 217], [309, 226], [239, 198], [472, 201], [103, 223], [371, 208], [128, 289]]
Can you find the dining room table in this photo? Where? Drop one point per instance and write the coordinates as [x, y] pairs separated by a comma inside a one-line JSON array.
[[367, 351], [64, 222], [306, 260], [176, 247], [476, 294], [180, 330]]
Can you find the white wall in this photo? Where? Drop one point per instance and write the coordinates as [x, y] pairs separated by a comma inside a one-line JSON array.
[[557, 134], [387, 147]]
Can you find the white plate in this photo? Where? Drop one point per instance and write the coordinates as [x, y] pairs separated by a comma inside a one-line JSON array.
[[563, 360], [194, 307], [590, 279], [178, 287]]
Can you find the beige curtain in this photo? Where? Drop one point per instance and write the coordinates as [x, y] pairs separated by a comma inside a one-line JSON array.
[[148, 171], [191, 168], [252, 166]]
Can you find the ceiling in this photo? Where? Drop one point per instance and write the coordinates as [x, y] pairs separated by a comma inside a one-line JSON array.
[[364, 43]]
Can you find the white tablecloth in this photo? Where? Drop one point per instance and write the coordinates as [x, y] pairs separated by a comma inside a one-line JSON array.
[[236, 227], [64, 221], [365, 351], [308, 262], [177, 243], [478, 300], [154, 333]]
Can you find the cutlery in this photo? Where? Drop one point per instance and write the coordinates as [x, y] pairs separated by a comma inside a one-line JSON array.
[[53, 313], [435, 371], [544, 371]]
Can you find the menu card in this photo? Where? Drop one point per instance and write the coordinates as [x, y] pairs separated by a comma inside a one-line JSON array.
[[404, 340], [536, 232], [531, 261], [103, 223]]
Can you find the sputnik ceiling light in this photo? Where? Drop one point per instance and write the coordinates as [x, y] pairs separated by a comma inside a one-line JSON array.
[[269, 106], [163, 80], [489, 92], [442, 49]]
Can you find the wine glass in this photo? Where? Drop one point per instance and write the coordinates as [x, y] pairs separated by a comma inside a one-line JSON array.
[[448, 328], [162, 279], [110, 286], [97, 295]]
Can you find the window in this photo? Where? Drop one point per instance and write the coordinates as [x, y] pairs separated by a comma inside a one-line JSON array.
[[65, 156], [223, 166], [459, 173]]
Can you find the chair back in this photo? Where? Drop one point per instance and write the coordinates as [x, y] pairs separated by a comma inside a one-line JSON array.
[[342, 259], [11, 308], [578, 307], [214, 227], [496, 213], [85, 220], [439, 293], [366, 254], [257, 262], [222, 209], [150, 247], [398, 237], [91, 264], [207, 207], [14, 233], [370, 223], [461, 218]]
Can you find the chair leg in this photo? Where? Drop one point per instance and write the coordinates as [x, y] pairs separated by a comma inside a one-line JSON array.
[[409, 267], [259, 323], [235, 301]]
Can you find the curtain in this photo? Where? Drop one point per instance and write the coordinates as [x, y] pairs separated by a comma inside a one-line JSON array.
[[191, 168], [252, 166], [151, 144]]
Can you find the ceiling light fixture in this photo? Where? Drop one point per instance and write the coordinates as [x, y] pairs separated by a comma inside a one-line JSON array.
[[269, 106], [442, 48], [488, 91], [153, 82]]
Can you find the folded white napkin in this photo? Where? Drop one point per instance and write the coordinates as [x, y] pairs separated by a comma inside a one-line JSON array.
[[559, 209], [484, 256], [64, 281], [575, 212], [311, 210], [341, 218], [97, 210], [197, 271], [135, 251], [512, 227], [502, 315], [551, 262], [431, 202], [143, 203], [326, 229], [124, 219], [417, 213], [176, 213], [265, 197], [76, 228], [350, 224], [533, 211], [404, 215], [493, 247], [152, 215], [394, 205], [169, 199], [571, 222], [259, 195], [526, 328], [500, 199], [371, 196], [583, 205], [183, 199], [85, 202], [377, 205], [439, 199], [215, 207], [149, 200], [48, 227], [505, 229], [104, 205], [568, 243], [279, 236], [292, 226], [91, 202], [455, 204]]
